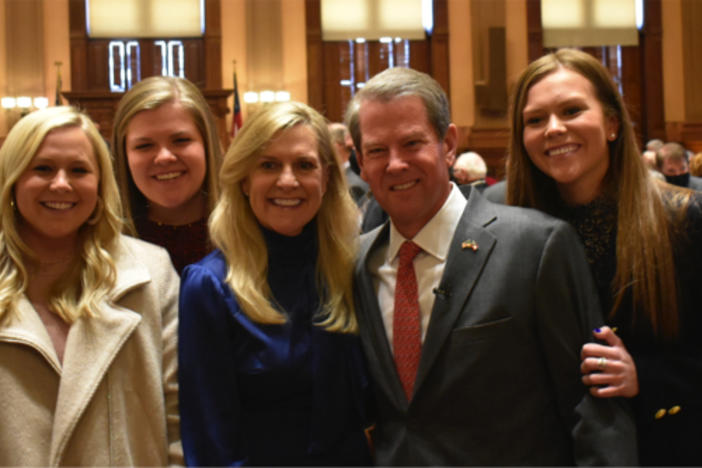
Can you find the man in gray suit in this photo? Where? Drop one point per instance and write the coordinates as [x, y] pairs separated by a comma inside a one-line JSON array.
[[474, 345]]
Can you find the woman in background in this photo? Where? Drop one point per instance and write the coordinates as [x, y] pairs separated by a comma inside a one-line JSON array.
[[88, 317], [167, 156], [271, 366], [573, 154]]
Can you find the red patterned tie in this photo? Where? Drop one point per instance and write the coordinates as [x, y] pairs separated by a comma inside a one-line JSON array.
[[406, 328]]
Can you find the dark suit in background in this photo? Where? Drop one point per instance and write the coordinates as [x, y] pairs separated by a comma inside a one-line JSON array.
[[695, 183], [357, 187], [343, 146]]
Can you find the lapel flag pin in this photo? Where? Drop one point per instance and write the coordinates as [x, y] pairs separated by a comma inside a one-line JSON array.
[[470, 244]]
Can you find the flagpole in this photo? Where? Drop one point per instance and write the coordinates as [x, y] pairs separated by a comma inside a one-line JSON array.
[[236, 115], [57, 97]]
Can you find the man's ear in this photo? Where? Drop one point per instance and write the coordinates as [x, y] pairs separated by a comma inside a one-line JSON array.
[[450, 144]]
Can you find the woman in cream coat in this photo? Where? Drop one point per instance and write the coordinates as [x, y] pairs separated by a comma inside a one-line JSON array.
[[88, 316]]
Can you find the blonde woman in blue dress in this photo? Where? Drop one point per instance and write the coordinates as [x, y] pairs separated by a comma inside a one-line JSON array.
[[271, 370]]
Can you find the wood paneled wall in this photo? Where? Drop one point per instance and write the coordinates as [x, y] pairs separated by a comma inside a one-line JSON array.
[[689, 130], [25, 51], [89, 68], [641, 68], [323, 59]]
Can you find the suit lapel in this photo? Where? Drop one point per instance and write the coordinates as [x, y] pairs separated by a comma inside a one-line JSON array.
[[470, 250], [374, 329], [91, 346]]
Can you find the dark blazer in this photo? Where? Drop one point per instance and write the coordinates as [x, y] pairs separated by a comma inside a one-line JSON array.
[[668, 408], [499, 377]]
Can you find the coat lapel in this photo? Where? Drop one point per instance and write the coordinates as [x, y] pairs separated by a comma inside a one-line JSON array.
[[372, 326], [470, 250], [26, 328], [91, 346]]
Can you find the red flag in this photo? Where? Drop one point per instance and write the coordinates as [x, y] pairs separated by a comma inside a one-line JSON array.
[[236, 118]]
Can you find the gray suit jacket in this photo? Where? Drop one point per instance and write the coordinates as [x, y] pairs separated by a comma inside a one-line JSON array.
[[497, 192], [499, 376]]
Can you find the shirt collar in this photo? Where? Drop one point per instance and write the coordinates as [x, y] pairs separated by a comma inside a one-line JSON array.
[[435, 237]]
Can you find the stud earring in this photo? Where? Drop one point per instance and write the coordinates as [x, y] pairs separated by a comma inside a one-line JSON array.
[[612, 136]]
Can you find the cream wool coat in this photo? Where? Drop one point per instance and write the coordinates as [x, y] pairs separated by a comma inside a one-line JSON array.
[[114, 401]]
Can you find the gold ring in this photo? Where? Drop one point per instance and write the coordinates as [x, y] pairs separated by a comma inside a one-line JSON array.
[[602, 363]]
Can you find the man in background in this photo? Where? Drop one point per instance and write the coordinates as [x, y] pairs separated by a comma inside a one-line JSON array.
[[673, 163], [470, 168], [343, 145]]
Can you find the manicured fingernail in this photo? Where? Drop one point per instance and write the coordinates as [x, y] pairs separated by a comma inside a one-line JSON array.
[[597, 330]]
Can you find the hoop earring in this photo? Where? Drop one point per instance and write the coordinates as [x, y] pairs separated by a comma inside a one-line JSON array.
[[12, 204], [97, 213]]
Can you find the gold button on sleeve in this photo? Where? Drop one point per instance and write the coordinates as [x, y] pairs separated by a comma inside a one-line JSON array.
[[674, 410], [660, 413]]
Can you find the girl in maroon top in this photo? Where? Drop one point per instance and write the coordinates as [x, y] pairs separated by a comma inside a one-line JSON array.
[[167, 158]]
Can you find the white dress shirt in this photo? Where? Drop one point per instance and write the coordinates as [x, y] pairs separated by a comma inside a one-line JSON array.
[[435, 240]]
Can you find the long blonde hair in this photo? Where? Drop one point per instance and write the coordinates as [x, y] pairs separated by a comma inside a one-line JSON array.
[[648, 215], [149, 94], [93, 275], [236, 232]]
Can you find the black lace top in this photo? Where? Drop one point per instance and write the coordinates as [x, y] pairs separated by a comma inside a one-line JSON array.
[[596, 224]]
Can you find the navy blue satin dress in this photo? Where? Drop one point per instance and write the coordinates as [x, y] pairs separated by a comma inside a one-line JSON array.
[[253, 394]]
